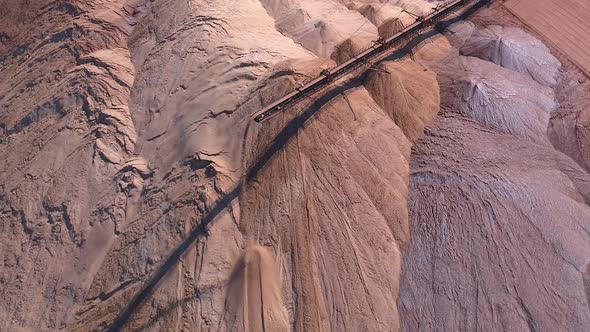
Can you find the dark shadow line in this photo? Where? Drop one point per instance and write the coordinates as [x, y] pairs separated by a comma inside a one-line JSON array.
[[172, 306], [296, 124], [173, 258], [280, 140]]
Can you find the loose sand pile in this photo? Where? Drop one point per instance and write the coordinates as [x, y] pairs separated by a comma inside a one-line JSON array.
[[347, 50], [379, 14], [515, 49], [415, 7], [343, 201], [496, 97], [431, 49], [497, 222], [253, 300], [390, 27], [320, 26], [499, 219], [459, 32], [408, 93]]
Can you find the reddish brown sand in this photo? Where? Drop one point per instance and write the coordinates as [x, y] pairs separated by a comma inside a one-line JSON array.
[[564, 23]]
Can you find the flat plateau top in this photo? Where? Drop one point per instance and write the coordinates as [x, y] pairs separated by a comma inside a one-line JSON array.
[[564, 23]]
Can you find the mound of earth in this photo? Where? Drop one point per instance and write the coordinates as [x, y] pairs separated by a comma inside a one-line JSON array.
[[408, 92], [499, 219], [569, 129], [459, 32], [390, 27], [379, 14], [415, 7], [320, 26], [347, 50], [496, 97], [505, 219], [101, 115], [275, 7], [431, 49], [313, 196], [133, 181], [253, 301], [515, 49]]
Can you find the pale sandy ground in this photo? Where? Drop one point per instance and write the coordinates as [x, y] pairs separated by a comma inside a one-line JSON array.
[[564, 23], [569, 128]]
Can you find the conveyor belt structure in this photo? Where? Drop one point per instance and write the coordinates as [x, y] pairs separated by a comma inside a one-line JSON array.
[[377, 50]]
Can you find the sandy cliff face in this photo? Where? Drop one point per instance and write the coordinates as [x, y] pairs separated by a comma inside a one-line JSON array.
[[136, 193]]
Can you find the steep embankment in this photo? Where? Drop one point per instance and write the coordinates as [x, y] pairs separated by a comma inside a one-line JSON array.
[[197, 64], [254, 301], [330, 194], [115, 136]]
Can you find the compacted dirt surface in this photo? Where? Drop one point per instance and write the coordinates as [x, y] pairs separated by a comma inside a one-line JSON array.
[[563, 23], [445, 188]]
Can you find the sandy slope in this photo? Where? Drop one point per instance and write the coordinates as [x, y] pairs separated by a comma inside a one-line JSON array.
[[514, 49], [500, 234], [133, 184], [318, 205], [253, 301], [499, 219], [65, 132]]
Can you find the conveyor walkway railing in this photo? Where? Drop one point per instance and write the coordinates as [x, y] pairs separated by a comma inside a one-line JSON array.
[[379, 48]]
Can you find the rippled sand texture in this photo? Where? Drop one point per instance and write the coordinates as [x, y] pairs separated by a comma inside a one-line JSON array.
[[422, 194]]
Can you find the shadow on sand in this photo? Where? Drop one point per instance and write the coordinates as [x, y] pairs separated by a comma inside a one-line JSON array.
[[278, 143]]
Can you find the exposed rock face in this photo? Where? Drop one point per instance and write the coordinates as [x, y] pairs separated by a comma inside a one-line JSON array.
[[133, 182]]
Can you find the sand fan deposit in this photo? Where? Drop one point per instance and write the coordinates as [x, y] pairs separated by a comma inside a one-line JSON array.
[[253, 300]]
